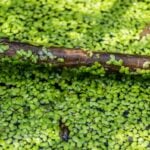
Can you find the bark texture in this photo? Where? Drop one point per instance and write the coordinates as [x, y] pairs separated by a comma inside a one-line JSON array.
[[77, 57]]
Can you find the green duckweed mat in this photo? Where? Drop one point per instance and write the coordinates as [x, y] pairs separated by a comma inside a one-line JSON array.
[[101, 112], [106, 25]]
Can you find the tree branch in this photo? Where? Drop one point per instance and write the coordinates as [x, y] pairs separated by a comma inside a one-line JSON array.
[[62, 57]]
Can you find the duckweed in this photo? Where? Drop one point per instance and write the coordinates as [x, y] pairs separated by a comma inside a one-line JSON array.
[[25, 56], [113, 61], [101, 111], [3, 48], [98, 25]]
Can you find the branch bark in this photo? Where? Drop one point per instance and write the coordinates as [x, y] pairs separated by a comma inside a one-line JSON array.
[[62, 57]]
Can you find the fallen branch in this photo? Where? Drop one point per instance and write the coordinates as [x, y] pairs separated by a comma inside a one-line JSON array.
[[74, 57]]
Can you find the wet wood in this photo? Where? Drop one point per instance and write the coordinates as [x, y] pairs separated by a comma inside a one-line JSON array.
[[77, 57]]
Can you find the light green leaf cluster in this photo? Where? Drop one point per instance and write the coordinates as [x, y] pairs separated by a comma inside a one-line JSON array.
[[113, 61], [3, 48]]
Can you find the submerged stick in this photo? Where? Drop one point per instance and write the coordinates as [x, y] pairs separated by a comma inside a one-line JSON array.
[[62, 57]]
